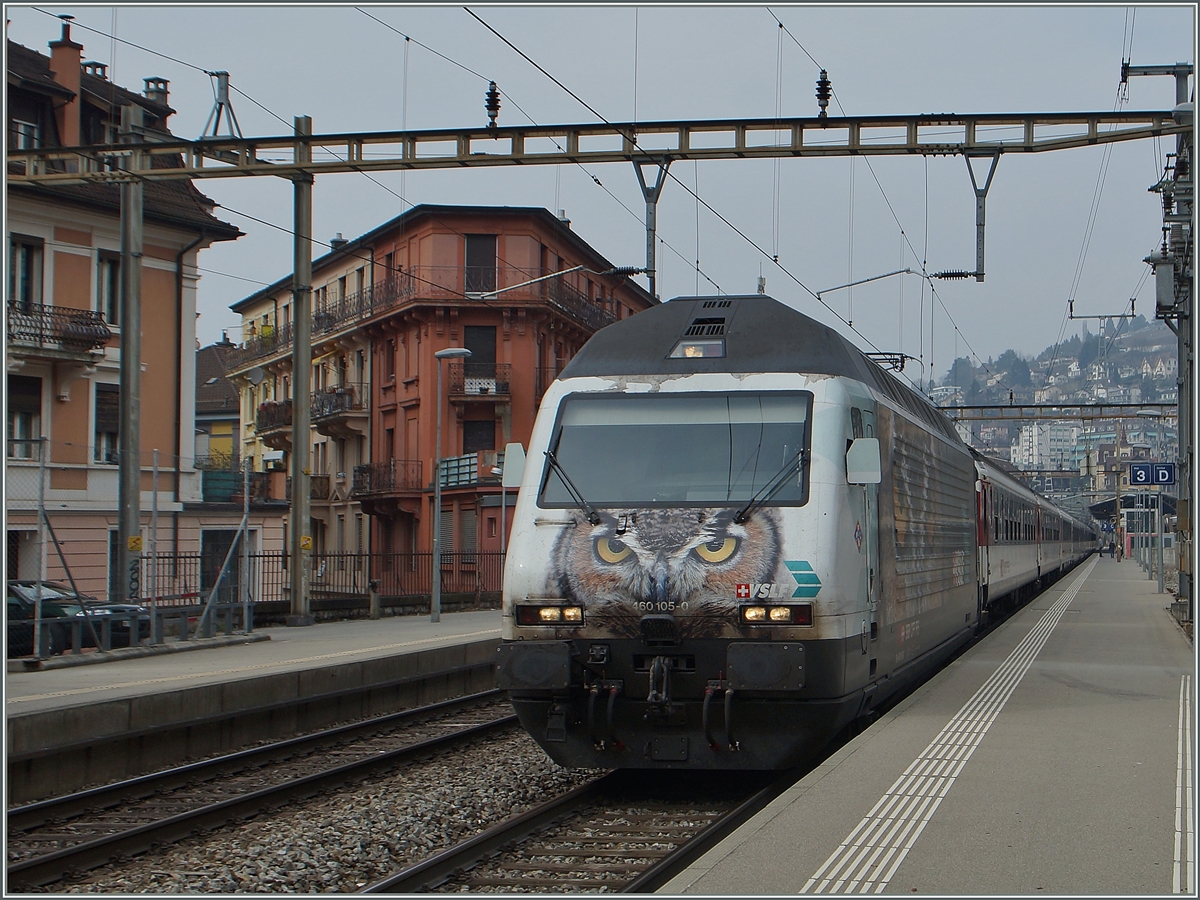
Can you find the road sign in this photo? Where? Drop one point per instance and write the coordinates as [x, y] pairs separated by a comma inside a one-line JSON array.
[[1164, 473], [1141, 473]]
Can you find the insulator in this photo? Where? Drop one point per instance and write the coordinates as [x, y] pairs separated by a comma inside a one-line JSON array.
[[824, 92], [492, 104], [952, 273], [624, 271]]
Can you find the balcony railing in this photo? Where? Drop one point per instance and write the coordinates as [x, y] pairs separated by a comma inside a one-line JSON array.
[[471, 469], [388, 477], [336, 401], [318, 487], [427, 283], [273, 414], [73, 330], [479, 379]]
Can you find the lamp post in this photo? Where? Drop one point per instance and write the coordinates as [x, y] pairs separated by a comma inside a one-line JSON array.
[[435, 599]]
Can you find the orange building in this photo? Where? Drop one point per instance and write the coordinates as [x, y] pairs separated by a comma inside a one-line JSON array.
[[515, 286], [63, 327]]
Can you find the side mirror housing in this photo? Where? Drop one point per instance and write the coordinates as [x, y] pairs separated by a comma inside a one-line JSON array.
[[514, 465], [862, 462]]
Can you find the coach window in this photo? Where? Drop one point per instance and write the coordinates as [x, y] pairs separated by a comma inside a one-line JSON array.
[[856, 425]]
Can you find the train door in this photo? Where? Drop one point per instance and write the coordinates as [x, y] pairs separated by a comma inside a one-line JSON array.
[[866, 537], [984, 533]]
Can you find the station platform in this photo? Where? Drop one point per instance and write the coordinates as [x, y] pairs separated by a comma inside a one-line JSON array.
[[1055, 757], [86, 723]]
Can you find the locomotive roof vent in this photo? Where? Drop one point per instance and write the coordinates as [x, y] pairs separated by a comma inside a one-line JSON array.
[[716, 304], [714, 327]]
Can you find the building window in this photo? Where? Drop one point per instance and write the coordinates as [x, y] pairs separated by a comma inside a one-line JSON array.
[[389, 360], [24, 135], [108, 288], [479, 435], [481, 262], [107, 420], [24, 272], [24, 416]]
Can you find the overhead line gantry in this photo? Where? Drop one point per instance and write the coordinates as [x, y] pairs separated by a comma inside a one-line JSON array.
[[143, 156]]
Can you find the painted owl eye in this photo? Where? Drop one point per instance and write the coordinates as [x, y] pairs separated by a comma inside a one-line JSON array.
[[717, 551], [612, 550]]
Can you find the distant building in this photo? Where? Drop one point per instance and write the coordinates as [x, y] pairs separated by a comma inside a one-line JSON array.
[[63, 327], [515, 286]]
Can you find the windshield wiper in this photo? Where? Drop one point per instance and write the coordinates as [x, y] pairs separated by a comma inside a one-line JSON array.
[[587, 508], [771, 488]]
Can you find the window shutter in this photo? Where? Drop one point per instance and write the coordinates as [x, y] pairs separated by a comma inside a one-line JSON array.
[[108, 408]]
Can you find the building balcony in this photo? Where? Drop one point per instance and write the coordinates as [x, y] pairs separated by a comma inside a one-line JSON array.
[[55, 332], [471, 469], [318, 487], [273, 423], [388, 477], [226, 486], [479, 381], [440, 285], [342, 411]]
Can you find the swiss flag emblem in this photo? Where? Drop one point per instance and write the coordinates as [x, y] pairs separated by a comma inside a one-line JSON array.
[[743, 592]]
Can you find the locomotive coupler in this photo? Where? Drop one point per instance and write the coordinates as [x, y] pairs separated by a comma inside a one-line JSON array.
[[609, 689], [659, 697]]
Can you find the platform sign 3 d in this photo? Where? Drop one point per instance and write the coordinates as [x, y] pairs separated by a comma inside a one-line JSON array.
[[1146, 474], [1164, 473]]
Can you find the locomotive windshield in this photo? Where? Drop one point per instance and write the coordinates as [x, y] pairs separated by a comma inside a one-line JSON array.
[[680, 449]]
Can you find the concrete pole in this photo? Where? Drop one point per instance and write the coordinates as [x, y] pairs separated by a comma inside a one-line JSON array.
[[129, 474], [247, 626], [301, 539], [435, 592], [1158, 531]]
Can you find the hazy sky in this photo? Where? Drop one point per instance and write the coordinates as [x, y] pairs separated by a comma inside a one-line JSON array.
[[1070, 223]]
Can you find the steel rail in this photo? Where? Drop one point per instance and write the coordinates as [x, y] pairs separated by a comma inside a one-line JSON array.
[[430, 873], [50, 867], [436, 868], [176, 158], [659, 873]]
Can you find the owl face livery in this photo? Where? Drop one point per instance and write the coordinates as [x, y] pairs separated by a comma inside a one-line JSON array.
[[695, 574]]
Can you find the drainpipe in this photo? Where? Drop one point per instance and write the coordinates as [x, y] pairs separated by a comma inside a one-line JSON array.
[[179, 357]]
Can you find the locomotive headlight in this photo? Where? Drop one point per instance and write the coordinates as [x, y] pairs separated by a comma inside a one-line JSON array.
[[791, 614], [549, 615]]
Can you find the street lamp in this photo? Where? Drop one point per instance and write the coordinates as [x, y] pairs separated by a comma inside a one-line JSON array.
[[435, 600]]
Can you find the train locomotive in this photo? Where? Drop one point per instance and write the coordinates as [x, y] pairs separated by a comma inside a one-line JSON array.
[[736, 533]]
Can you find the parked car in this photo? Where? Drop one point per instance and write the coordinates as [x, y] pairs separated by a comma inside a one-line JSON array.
[[20, 602], [60, 602], [120, 614]]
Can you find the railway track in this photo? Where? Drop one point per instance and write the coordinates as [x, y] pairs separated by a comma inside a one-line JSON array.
[[626, 831], [67, 835]]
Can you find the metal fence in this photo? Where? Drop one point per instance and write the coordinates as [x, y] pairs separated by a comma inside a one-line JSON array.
[[185, 579]]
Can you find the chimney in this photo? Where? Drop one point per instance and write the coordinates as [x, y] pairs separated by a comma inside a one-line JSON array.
[[338, 242], [65, 59], [156, 89]]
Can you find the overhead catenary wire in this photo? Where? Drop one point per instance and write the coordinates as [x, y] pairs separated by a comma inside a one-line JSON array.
[[903, 233], [558, 169], [682, 185]]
